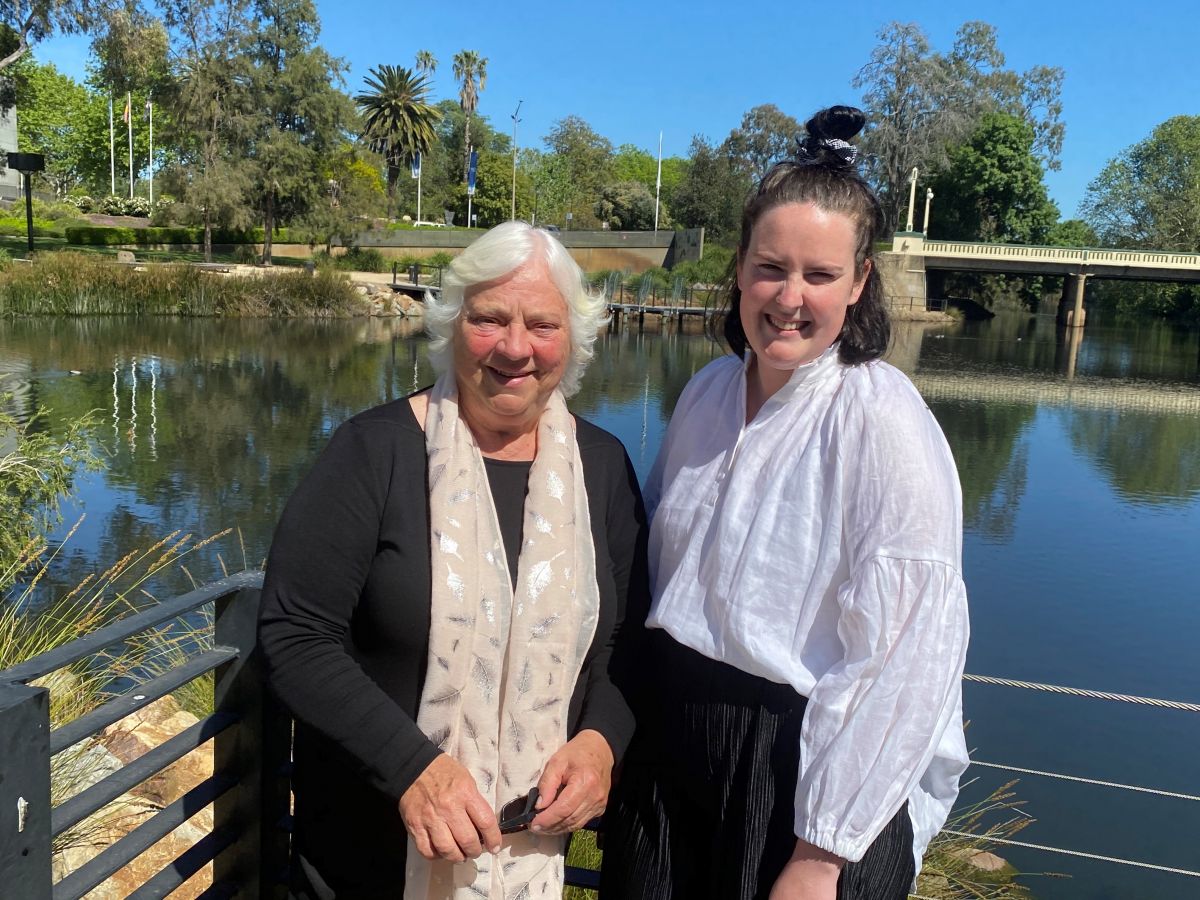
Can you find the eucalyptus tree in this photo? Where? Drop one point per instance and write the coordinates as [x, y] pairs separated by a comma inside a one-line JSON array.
[[470, 71], [426, 62], [398, 120], [920, 104]]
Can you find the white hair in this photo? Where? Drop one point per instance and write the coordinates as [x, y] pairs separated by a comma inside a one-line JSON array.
[[499, 252]]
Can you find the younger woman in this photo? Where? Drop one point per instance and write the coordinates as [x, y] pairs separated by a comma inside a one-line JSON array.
[[800, 729]]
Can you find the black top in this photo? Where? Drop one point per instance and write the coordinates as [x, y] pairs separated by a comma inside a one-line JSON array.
[[509, 482], [345, 627]]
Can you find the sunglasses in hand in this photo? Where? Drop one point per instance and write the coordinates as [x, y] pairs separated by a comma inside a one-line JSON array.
[[516, 815]]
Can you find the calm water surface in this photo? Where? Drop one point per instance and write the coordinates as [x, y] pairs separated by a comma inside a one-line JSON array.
[[1080, 466]]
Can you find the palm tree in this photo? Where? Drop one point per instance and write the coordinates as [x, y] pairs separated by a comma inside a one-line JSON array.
[[398, 120], [470, 71], [426, 62]]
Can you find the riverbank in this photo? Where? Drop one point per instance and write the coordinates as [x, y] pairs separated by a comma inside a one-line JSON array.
[[66, 283]]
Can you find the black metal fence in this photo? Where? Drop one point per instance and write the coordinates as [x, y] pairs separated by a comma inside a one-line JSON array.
[[249, 787]]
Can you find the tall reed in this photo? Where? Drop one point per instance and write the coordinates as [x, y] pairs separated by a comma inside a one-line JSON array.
[[78, 284]]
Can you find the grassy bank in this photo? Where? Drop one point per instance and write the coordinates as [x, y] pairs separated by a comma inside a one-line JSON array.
[[76, 284]]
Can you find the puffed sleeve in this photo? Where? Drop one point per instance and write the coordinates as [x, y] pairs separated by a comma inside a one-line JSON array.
[[319, 561], [875, 720]]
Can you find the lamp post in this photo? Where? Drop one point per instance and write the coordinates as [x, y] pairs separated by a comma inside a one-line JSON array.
[[514, 185], [928, 201], [912, 197], [27, 164]]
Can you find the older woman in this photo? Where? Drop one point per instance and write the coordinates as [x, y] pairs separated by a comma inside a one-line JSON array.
[[442, 596]]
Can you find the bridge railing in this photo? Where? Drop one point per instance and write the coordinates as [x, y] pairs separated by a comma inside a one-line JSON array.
[[248, 787], [1081, 256]]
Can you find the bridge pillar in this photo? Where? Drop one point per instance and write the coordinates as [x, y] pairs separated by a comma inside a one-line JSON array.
[[1070, 308]]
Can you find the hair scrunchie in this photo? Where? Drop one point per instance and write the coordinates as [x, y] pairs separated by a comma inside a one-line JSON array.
[[809, 151]]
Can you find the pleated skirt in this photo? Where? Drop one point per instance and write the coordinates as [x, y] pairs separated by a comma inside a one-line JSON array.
[[704, 806]]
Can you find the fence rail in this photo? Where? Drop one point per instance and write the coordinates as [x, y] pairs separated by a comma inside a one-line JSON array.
[[247, 788]]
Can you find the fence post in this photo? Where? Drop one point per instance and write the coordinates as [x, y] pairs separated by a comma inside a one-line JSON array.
[[256, 749], [25, 866]]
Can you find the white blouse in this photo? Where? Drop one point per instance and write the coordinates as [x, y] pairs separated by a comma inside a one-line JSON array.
[[820, 546]]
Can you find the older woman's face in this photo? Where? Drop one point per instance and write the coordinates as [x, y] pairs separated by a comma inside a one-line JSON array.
[[511, 347]]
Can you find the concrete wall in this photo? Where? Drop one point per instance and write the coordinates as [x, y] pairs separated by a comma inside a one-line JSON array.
[[903, 277], [10, 179], [593, 250]]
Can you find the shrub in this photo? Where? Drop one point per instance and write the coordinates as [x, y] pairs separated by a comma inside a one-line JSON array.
[[363, 259], [115, 235], [441, 258], [246, 254]]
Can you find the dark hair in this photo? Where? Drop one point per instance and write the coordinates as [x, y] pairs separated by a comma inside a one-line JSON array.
[[823, 174]]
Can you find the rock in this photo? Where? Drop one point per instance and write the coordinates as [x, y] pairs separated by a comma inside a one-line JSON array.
[[120, 744], [125, 256]]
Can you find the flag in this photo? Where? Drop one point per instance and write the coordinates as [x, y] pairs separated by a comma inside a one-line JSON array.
[[125, 115], [149, 109], [471, 169], [415, 164]]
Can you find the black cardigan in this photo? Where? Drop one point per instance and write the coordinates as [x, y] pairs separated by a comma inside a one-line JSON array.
[[344, 630]]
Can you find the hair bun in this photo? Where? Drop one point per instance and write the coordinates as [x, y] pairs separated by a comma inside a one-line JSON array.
[[836, 122], [826, 140]]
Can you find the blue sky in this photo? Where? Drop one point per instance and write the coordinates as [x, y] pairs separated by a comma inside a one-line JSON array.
[[631, 69]]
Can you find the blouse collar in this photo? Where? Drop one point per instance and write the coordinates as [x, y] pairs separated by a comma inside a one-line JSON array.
[[810, 374]]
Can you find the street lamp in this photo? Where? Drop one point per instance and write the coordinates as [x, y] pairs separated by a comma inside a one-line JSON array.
[[27, 164], [928, 200], [912, 198], [514, 186]]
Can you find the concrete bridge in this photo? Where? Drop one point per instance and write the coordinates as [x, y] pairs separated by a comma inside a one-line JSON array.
[[918, 255]]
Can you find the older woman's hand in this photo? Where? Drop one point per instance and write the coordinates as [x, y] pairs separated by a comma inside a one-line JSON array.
[[582, 768], [445, 814]]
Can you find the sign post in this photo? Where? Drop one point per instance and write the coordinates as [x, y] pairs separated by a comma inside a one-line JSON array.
[[27, 164]]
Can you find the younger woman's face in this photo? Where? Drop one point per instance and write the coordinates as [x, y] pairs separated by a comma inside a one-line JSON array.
[[797, 280]]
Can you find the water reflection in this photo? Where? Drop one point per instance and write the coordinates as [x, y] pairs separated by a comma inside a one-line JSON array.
[[1078, 455]]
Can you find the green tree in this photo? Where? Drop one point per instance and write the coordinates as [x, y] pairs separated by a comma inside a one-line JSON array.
[[213, 112], [354, 193], [1149, 195], [470, 71], [631, 163], [25, 22], [299, 114], [767, 134], [921, 104], [398, 120], [585, 160], [993, 189], [712, 192], [493, 191], [629, 206], [1072, 233], [52, 107]]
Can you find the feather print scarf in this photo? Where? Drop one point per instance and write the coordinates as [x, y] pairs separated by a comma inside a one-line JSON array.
[[502, 662]]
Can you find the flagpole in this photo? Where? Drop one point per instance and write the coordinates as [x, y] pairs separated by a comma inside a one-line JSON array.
[[150, 116], [658, 183], [129, 125], [112, 149], [420, 168]]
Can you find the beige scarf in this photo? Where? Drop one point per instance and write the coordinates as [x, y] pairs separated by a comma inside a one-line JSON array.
[[502, 663]]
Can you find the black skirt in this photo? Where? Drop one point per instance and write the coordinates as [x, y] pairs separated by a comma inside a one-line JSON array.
[[705, 803]]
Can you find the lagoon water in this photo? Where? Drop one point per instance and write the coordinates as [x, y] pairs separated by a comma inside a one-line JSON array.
[[1080, 464]]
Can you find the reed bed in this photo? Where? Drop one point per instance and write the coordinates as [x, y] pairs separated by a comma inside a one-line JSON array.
[[81, 284]]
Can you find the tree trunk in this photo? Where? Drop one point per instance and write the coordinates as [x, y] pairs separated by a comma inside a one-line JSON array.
[[207, 235], [268, 228]]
